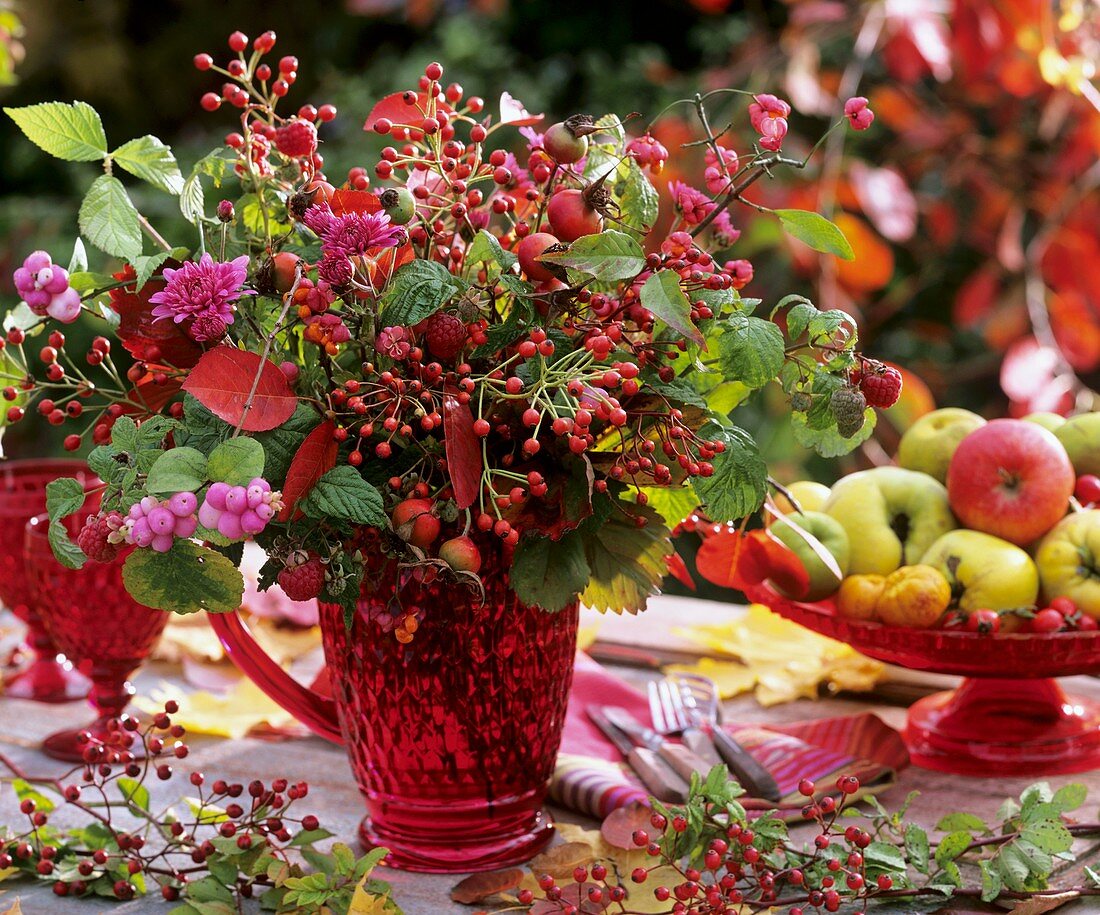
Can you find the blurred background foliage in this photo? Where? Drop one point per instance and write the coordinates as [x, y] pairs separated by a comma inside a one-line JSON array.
[[972, 202]]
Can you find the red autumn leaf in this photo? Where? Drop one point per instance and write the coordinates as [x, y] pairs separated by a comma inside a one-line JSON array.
[[621, 824], [463, 450], [394, 109], [147, 397], [315, 457], [513, 112], [733, 560], [347, 201], [678, 569], [386, 264], [481, 887], [142, 336], [221, 382]]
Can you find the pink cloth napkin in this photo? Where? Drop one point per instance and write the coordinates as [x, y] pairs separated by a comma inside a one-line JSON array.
[[591, 779]]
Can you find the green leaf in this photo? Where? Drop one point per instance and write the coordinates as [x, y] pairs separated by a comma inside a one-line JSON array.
[[952, 845], [64, 550], [417, 290], [343, 494], [178, 470], [954, 822], [627, 562], [146, 265], [916, 847], [1070, 797], [236, 462], [27, 792], [883, 858], [134, 792], [750, 350], [192, 197], [823, 324], [661, 294], [71, 132], [637, 197], [798, 319], [108, 219], [991, 881], [673, 503], [150, 160], [608, 256], [63, 497], [740, 479], [1048, 836], [486, 249], [828, 442], [79, 261], [309, 837], [186, 579], [816, 231], [549, 573]]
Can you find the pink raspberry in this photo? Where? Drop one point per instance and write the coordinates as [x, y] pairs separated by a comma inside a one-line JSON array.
[[296, 139]]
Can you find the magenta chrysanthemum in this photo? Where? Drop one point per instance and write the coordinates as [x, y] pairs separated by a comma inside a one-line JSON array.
[[201, 290], [353, 234]]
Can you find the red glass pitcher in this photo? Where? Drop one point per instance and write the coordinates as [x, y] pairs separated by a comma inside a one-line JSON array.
[[453, 736]]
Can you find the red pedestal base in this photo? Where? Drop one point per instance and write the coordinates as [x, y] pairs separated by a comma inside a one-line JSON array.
[[1005, 728], [48, 680]]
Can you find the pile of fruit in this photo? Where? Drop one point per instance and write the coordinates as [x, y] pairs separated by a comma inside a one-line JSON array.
[[984, 526]]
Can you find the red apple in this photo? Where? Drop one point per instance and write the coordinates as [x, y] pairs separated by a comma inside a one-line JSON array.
[[1011, 479]]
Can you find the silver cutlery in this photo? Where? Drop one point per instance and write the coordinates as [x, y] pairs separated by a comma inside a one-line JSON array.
[[658, 777], [682, 760], [687, 704]]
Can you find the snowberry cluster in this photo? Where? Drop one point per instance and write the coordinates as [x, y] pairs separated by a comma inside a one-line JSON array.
[[44, 286], [157, 523], [237, 512]]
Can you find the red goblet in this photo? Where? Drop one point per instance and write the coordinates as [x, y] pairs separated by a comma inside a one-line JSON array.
[[93, 619], [50, 676]]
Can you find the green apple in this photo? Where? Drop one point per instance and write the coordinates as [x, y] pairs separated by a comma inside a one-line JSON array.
[[1080, 435], [1049, 421], [928, 444], [892, 515], [811, 497], [1069, 561], [984, 571], [828, 532]]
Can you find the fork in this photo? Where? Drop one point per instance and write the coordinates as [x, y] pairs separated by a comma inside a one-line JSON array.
[[687, 704]]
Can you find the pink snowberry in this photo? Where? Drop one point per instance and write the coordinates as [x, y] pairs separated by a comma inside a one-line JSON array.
[[857, 113], [237, 512], [44, 286], [157, 523]]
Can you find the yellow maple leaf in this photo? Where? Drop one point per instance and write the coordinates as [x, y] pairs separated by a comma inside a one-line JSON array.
[[231, 714]]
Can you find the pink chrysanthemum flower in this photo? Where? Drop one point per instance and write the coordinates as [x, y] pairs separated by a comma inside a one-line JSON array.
[[693, 204], [768, 115], [857, 113], [206, 289], [353, 234]]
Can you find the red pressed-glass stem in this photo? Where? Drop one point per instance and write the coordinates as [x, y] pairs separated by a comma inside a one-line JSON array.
[[49, 677], [452, 737], [93, 619]]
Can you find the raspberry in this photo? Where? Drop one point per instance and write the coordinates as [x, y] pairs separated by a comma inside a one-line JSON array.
[[296, 139], [303, 581], [93, 537], [880, 384], [847, 405], [801, 401], [445, 335]]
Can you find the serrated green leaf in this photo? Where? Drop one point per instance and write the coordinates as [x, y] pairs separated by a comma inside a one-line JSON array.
[[916, 847], [883, 858], [991, 881], [740, 479], [608, 256], [673, 503], [1070, 797], [952, 845], [750, 350], [344, 495], [661, 294], [954, 822], [237, 461], [816, 231], [151, 160], [71, 132], [63, 497], [823, 324], [146, 265], [109, 220], [638, 200], [828, 442], [186, 579], [627, 562], [79, 261], [549, 573], [64, 550], [486, 249], [134, 791], [27, 792], [798, 319], [180, 469], [1048, 836], [417, 290]]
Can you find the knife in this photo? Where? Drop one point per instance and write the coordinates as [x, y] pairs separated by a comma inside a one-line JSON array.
[[660, 780], [682, 760]]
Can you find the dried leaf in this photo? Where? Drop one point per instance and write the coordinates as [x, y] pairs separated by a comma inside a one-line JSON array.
[[482, 887], [621, 824], [15, 909], [561, 860], [1037, 905], [463, 451]]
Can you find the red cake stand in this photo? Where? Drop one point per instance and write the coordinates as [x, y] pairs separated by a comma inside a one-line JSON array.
[[1008, 717]]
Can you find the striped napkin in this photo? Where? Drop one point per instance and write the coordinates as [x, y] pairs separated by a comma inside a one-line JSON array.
[[590, 777]]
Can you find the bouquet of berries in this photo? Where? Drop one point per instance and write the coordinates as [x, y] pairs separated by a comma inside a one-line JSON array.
[[490, 355]]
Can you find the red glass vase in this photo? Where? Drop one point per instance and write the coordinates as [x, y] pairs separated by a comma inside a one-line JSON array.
[[92, 618], [453, 736], [49, 677]]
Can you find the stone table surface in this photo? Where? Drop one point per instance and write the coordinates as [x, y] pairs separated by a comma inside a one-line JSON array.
[[334, 798]]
